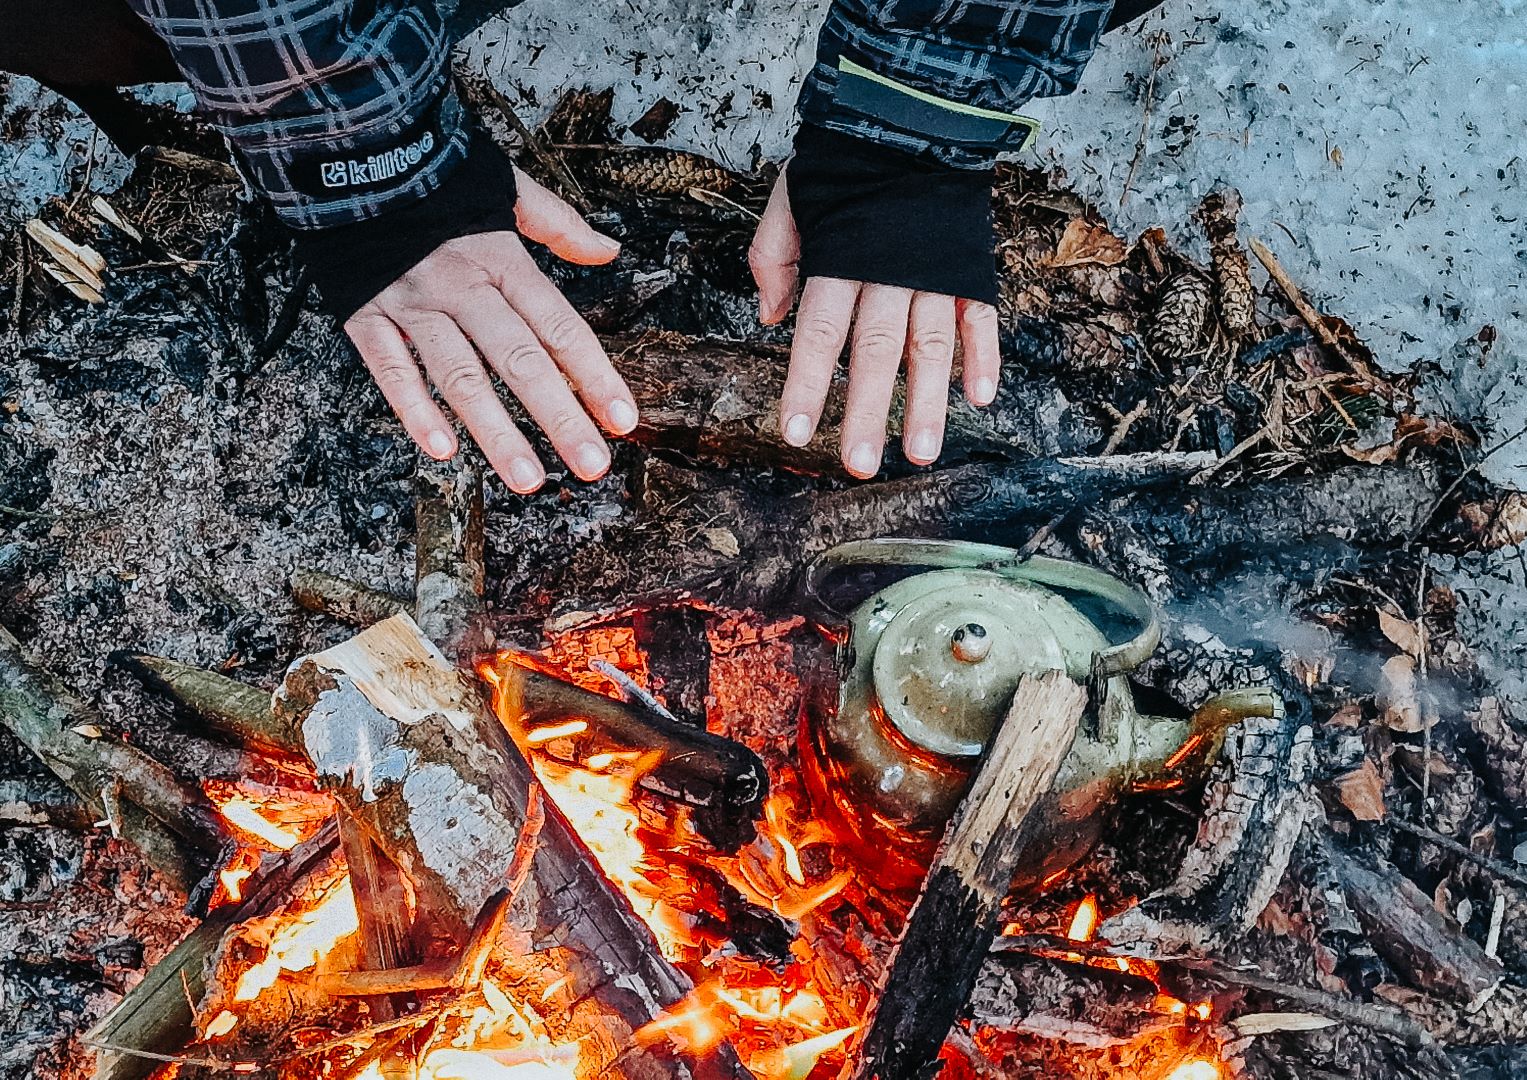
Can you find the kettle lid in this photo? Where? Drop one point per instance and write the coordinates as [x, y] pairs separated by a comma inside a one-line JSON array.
[[948, 663]]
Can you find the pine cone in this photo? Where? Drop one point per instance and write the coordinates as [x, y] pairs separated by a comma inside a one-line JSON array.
[[1232, 272], [659, 173], [1180, 326]]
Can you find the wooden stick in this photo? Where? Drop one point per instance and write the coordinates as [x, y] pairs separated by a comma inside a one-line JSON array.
[[954, 921], [228, 706], [448, 571], [461, 972], [167, 820], [339, 598], [381, 904], [1447, 843], [1308, 313]]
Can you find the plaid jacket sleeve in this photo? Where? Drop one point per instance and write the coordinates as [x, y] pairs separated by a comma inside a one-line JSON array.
[[338, 109], [946, 78]]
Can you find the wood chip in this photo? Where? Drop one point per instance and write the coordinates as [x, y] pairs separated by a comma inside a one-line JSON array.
[[723, 542], [1269, 1023], [77, 267]]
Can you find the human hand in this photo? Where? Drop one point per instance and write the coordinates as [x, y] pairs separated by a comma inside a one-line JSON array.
[[889, 324], [483, 294]]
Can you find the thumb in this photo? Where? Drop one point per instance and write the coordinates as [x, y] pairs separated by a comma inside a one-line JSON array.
[[773, 256], [546, 219]]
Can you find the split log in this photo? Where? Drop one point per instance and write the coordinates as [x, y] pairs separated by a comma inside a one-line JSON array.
[[722, 780], [170, 822], [349, 602], [448, 572], [1258, 804], [1406, 929], [157, 1016], [405, 743], [954, 920], [229, 707], [721, 399]]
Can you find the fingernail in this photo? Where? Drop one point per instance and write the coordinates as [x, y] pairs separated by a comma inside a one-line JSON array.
[[593, 459], [441, 445], [924, 447], [985, 391], [622, 416], [864, 460], [525, 476], [798, 430], [609, 243]]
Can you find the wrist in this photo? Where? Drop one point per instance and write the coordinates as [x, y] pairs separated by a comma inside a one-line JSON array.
[[872, 213]]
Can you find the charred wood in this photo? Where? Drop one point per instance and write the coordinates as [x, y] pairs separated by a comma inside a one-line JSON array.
[[349, 602], [381, 903], [1054, 998], [1400, 920], [724, 781], [954, 921]]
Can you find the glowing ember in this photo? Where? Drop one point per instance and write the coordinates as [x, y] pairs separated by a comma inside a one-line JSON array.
[[232, 880], [1200, 1069], [300, 943], [1084, 923], [245, 816]]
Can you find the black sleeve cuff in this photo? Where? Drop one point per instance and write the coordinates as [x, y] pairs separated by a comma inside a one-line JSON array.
[[350, 264], [871, 213]]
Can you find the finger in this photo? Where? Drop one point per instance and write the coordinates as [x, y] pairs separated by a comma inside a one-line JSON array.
[[930, 356], [983, 356], [880, 336], [546, 219], [821, 328], [386, 356], [775, 251], [459, 375], [571, 343], [521, 361]]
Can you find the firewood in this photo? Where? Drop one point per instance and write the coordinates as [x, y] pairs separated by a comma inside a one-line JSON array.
[[228, 706], [721, 399], [954, 920], [724, 781], [172, 823], [406, 745], [40, 802], [381, 904], [1400, 920], [1055, 998], [449, 575], [158, 1014], [1258, 803], [339, 598]]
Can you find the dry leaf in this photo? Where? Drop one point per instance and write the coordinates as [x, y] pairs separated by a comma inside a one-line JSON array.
[[1269, 1022], [1087, 242], [723, 542], [89, 731], [1408, 431], [1397, 696], [1401, 632], [1362, 792]]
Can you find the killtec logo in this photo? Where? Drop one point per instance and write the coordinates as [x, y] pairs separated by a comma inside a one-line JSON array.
[[377, 167]]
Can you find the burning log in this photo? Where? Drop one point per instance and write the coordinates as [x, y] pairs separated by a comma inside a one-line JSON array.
[[954, 921], [448, 576], [349, 602], [406, 746], [159, 1012], [172, 823], [1408, 931], [721, 399], [724, 781]]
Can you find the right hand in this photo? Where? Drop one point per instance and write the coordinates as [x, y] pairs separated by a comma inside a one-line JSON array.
[[483, 294]]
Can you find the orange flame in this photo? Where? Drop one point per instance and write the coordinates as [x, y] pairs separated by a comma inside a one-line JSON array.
[[1084, 923], [1198, 1069]]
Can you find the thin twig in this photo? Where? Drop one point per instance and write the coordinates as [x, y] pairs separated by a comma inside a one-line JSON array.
[[1307, 311], [1157, 40], [1456, 484], [1121, 431], [1463, 851]]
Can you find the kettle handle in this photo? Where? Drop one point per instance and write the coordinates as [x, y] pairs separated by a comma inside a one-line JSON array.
[[1118, 658]]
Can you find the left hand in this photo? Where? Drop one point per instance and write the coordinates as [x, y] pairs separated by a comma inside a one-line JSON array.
[[889, 323]]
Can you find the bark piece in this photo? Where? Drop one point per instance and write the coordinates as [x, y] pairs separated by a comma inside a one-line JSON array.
[[406, 745], [339, 598], [954, 921]]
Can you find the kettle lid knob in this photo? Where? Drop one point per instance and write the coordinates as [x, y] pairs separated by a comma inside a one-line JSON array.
[[970, 643]]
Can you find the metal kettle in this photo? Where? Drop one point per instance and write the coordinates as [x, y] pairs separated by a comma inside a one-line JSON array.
[[925, 670]]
